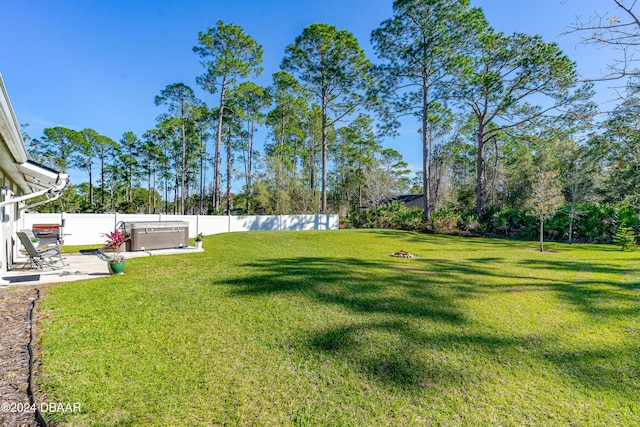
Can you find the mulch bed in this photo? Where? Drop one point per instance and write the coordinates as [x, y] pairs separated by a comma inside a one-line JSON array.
[[14, 358]]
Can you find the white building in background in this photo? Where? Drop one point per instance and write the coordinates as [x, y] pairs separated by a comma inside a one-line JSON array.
[[21, 180]]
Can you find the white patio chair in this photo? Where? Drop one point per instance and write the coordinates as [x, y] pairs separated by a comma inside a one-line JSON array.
[[40, 258], [41, 243]]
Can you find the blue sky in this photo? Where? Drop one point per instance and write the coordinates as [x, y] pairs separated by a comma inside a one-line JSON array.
[[99, 64]]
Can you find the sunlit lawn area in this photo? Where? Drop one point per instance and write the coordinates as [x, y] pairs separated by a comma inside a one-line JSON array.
[[323, 328]]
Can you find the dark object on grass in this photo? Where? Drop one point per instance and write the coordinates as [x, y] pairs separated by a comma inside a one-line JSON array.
[[402, 254]]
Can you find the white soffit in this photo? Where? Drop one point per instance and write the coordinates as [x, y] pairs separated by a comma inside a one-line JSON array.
[[14, 159], [37, 175], [9, 127]]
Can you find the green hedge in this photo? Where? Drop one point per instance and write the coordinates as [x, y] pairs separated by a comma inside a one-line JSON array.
[[394, 216], [592, 222]]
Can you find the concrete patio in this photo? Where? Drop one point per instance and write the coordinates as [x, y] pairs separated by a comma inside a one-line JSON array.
[[78, 267]]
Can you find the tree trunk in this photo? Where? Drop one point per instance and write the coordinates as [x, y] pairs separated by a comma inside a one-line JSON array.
[[203, 156], [480, 171], [166, 195], [130, 199], [249, 165], [175, 193], [312, 169], [90, 185], [102, 182], [229, 172], [113, 205], [426, 149], [216, 168], [149, 188], [128, 194], [184, 163], [187, 195], [323, 203], [166, 184], [155, 167], [571, 215], [542, 233]]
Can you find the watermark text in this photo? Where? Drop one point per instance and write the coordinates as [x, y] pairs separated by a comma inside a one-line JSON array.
[[50, 407]]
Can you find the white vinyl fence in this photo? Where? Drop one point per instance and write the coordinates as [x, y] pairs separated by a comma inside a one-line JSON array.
[[87, 229]]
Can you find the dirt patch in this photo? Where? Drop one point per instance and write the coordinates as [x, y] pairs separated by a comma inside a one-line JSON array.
[[14, 358], [402, 254]]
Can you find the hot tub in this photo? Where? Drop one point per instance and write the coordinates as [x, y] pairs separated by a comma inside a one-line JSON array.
[[157, 235]]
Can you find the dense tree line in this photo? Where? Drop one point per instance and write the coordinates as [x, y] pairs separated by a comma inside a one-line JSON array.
[[505, 124]]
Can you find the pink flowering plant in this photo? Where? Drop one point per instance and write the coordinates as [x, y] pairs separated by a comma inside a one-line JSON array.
[[115, 240]]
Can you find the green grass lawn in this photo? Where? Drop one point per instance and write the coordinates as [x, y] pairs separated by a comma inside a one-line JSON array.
[[323, 328]]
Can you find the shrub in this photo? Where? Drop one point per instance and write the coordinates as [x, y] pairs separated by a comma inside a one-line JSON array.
[[513, 222], [446, 221], [394, 215], [593, 223], [625, 237], [472, 224]]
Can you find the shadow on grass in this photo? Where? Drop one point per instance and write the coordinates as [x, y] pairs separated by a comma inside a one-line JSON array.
[[358, 285], [557, 265], [463, 243], [403, 365], [370, 291], [488, 243], [601, 303], [596, 298], [402, 307], [612, 369]]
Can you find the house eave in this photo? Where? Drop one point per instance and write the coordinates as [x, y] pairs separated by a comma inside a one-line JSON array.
[[10, 128]]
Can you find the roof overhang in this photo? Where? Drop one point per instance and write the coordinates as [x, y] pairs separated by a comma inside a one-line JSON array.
[[41, 180], [9, 128], [39, 177], [29, 176]]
